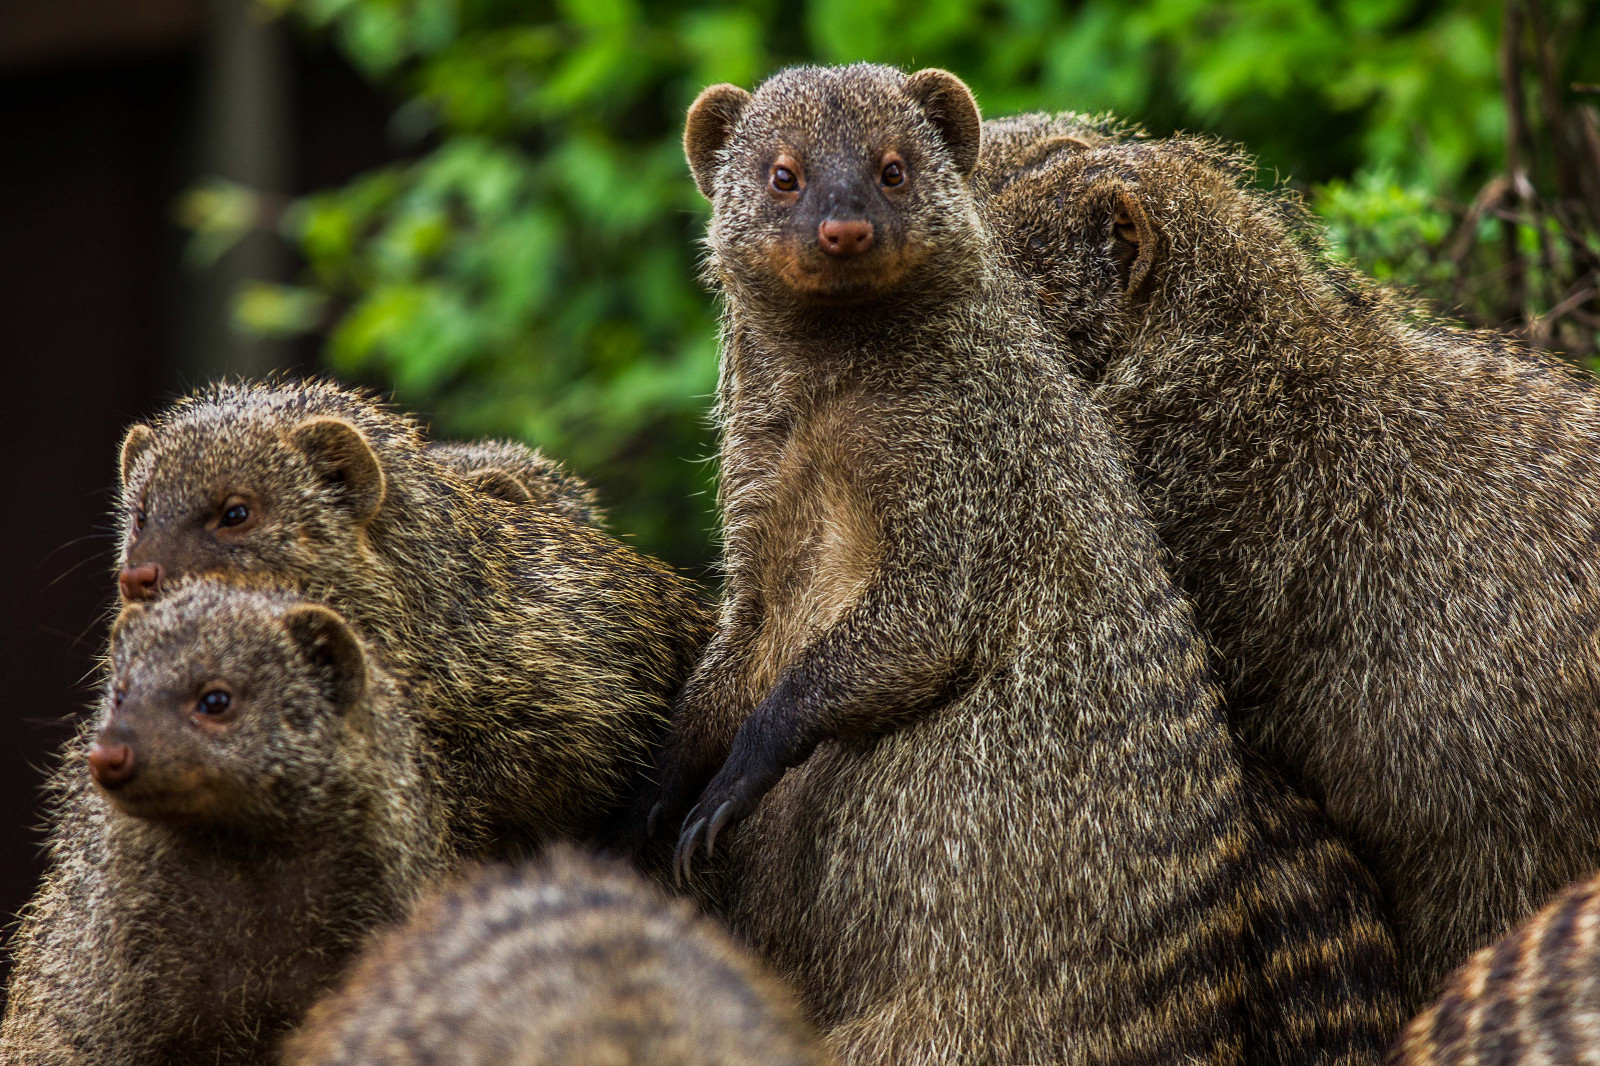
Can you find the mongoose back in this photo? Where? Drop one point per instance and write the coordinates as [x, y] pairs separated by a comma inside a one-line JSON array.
[[1389, 527], [544, 652], [571, 962], [988, 807], [520, 474], [253, 797], [1533, 997]]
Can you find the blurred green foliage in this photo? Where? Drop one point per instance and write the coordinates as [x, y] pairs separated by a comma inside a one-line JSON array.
[[531, 270]]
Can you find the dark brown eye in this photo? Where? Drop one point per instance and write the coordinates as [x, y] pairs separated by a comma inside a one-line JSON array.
[[784, 179], [215, 704], [893, 174], [235, 515], [138, 520]]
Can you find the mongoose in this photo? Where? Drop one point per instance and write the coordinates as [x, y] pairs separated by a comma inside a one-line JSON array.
[[1533, 997], [544, 652], [571, 962], [989, 808], [520, 474], [1388, 526], [253, 796]]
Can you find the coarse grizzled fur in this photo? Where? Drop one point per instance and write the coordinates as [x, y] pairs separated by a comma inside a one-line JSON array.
[[543, 652], [571, 962], [989, 808], [520, 474], [196, 907], [1389, 526], [1533, 997]]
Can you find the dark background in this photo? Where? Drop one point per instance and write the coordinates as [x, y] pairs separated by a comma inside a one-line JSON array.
[[104, 119]]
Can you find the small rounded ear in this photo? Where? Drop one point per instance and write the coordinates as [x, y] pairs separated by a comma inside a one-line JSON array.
[[712, 117], [499, 483], [1135, 242], [129, 612], [1039, 151], [134, 444], [342, 457], [329, 645], [948, 104]]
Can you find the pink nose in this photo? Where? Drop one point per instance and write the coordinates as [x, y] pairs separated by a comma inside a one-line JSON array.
[[845, 239], [111, 765], [140, 582]]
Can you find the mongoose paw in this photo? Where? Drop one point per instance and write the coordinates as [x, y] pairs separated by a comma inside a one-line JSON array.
[[732, 795]]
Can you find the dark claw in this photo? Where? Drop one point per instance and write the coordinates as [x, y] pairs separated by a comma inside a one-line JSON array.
[[651, 819], [718, 820], [683, 860]]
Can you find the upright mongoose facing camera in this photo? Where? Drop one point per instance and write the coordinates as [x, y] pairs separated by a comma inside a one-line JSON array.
[[976, 796]]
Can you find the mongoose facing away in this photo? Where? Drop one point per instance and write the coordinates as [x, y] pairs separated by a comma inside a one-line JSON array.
[[571, 962], [991, 809], [543, 652], [261, 799], [520, 474], [1533, 997], [1388, 526]]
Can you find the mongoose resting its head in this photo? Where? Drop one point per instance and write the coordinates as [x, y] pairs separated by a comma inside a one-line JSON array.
[[1389, 527], [252, 799], [976, 797], [543, 652], [568, 963], [520, 474], [1533, 997]]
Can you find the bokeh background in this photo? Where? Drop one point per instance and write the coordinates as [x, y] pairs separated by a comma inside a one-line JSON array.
[[480, 206]]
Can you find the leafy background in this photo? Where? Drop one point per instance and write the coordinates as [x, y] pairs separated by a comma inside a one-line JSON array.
[[530, 269]]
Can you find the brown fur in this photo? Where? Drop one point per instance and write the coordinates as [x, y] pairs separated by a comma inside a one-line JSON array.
[[520, 474], [987, 806], [1389, 526], [192, 914], [543, 651], [1533, 997], [569, 962]]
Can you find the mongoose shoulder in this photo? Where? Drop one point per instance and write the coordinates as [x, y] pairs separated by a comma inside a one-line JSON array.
[[252, 798], [570, 961], [520, 474], [969, 749], [1532, 997], [543, 651], [1388, 526]]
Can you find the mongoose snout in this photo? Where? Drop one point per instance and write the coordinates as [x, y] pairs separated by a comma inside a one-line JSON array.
[[111, 761], [844, 239], [140, 583]]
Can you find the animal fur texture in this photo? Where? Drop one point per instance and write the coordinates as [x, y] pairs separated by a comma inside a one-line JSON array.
[[1388, 525], [520, 474], [195, 908], [976, 796]]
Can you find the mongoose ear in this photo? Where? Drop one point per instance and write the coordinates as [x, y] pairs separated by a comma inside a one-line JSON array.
[[499, 483], [712, 117], [129, 612], [948, 104], [342, 457], [1040, 151], [329, 645], [1134, 241], [134, 444]]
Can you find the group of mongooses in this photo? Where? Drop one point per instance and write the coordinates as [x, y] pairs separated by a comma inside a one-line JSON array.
[[1143, 640]]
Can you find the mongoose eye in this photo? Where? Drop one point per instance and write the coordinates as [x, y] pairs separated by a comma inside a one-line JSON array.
[[138, 520], [236, 515], [894, 174], [783, 179], [215, 704]]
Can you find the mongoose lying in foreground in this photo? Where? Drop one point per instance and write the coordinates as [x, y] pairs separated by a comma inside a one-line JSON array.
[[543, 652], [1389, 526], [991, 810], [1533, 997], [261, 799], [568, 963], [520, 474]]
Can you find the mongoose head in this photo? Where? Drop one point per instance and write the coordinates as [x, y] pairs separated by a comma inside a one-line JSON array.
[[519, 475], [836, 185], [226, 707], [265, 480]]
